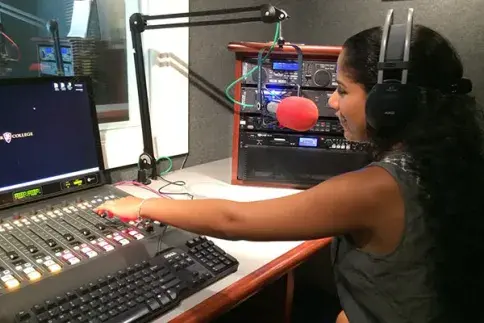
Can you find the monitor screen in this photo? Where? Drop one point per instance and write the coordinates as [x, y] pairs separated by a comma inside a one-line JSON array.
[[48, 131], [47, 59]]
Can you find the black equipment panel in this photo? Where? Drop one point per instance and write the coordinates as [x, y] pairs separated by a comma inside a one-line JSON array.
[[320, 97], [296, 159], [317, 74]]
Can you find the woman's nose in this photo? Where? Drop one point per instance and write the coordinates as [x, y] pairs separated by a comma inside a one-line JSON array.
[[333, 101]]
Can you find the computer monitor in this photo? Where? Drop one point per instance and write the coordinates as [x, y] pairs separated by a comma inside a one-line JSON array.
[[49, 138], [47, 60]]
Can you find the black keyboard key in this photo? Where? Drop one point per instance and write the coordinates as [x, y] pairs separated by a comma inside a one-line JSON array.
[[113, 313], [83, 290], [75, 312], [173, 295], [153, 304], [103, 318], [171, 284], [121, 308], [70, 296], [140, 299], [43, 317], [105, 290], [219, 268], [81, 318], [92, 314], [111, 305], [84, 308], [163, 299], [38, 309], [50, 304], [54, 312], [131, 316], [22, 316], [166, 279], [64, 308]]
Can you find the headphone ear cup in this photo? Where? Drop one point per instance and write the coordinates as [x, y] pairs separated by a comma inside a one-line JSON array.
[[391, 106]]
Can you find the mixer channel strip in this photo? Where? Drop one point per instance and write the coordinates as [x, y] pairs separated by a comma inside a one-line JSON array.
[[140, 292]]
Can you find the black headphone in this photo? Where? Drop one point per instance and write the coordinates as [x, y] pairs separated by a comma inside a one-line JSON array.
[[392, 103]]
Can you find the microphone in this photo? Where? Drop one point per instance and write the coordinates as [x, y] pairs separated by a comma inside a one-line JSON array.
[[297, 113], [294, 112]]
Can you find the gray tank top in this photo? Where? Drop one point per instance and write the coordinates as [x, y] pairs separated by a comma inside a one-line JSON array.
[[390, 288]]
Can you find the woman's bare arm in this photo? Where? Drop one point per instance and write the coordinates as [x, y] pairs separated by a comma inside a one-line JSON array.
[[343, 204]]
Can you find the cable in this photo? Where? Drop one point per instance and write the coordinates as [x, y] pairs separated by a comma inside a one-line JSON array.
[[160, 239], [243, 77], [14, 44], [170, 165], [140, 185], [176, 183], [160, 191], [184, 162]]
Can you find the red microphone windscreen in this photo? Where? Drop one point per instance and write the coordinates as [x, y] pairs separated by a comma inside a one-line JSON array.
[[297, 113]]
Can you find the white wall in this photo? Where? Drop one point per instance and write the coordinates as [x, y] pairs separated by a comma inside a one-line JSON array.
[[122, 141]]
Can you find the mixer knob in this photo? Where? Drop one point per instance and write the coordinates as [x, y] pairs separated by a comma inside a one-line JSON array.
[[16, 216], [12, 255], [85, 232], [101, 226], [149, 227], [32, 249], [79, 200], [68, 237], [322, 78], [51, 243]]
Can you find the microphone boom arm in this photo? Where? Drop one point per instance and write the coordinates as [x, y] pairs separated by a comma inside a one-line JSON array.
[[139, 23]]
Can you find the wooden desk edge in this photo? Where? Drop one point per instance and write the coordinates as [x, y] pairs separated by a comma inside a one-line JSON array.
[[227, 298]]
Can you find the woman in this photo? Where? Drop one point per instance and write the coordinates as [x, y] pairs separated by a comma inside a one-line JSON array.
[[408, 225]]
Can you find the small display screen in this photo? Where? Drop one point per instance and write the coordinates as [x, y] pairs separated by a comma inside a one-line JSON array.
[[308, 142], [23, 195], [285, 66], [78, 182]]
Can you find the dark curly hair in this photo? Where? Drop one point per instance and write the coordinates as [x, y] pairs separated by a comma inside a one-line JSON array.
[[445, 142]]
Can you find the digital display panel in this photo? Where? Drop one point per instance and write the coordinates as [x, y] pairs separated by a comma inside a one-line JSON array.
[[308, 142], [26, 194], [285, 66]]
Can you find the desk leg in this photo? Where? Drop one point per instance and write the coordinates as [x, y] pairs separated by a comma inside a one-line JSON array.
[[289, 296]]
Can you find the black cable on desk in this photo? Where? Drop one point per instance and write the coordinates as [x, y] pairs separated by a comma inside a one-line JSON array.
[[176, 183]]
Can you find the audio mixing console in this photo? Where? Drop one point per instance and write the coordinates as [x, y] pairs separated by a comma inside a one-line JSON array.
[[56, 255]]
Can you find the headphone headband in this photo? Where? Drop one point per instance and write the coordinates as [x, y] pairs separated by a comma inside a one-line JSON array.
[[395, 47]]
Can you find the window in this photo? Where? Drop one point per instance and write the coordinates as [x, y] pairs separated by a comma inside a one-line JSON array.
[[106, 54], [26, 47]]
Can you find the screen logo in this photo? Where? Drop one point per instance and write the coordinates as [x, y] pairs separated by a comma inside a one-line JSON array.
[[8, 136]]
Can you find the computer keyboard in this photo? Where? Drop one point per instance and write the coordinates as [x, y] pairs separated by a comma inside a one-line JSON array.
[[140, 292]]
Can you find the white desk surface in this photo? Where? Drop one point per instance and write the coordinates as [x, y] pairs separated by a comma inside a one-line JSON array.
[[212, 180]]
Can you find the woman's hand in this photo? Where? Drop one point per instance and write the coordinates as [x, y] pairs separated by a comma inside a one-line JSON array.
[[126, 208]]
